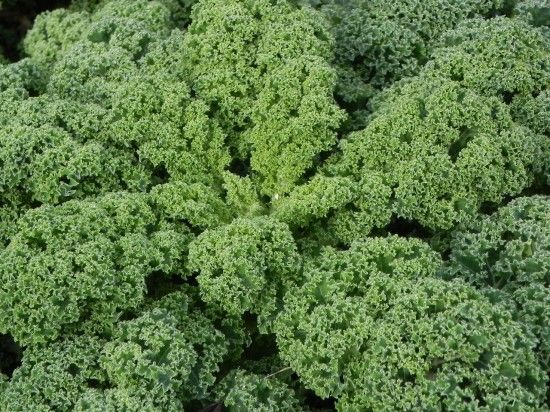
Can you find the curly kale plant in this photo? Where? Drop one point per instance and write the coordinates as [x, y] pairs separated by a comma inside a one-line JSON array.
[[244, 391], [81, 264], [434, 152], [379, 42], [508, 256], [157, 361], [501, 57], [246, 266], [442, 150], [53, 377], [274, 205], [274, 102], [374, 328], [465, 132]]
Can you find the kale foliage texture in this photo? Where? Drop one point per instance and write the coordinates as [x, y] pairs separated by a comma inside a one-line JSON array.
[[274, 205]]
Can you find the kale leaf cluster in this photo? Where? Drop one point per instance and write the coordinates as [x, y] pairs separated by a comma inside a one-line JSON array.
[[274, 205]]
